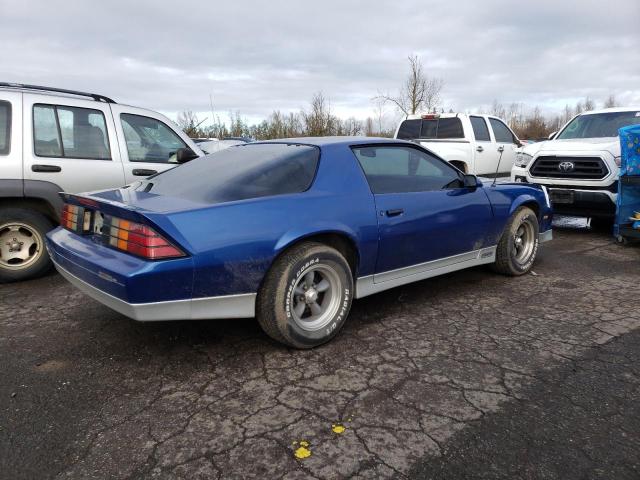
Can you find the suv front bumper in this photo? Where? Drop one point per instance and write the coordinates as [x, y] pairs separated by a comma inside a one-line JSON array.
[[592, 201]]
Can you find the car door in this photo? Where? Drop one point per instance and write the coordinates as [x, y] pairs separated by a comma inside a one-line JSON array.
[[507, 143], [71, 143], [486, 152], [148, 142], [424, 212]]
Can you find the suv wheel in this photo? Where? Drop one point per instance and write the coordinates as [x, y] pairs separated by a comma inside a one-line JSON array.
[[22, 250], [306, 296], [518, 246]]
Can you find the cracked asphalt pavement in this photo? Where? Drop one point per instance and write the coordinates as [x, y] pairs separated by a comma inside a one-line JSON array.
[[470, 375]]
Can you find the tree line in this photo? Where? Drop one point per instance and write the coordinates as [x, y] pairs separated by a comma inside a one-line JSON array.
[[419, 93]]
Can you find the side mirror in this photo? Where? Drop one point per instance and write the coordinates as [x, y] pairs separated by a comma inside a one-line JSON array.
[[470, 181], [551, 135], [183, 155]]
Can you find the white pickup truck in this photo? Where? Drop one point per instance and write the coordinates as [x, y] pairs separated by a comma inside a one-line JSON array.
[[472, 143]]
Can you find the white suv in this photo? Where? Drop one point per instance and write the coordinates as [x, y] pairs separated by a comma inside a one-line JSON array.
[[54, 140], [580, 165]]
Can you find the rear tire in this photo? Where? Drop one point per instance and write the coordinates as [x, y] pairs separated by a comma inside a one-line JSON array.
[[306, 296], [518, 246], [23, 254]]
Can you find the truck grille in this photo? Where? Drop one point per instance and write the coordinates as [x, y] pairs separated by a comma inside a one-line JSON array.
[[591, 168]]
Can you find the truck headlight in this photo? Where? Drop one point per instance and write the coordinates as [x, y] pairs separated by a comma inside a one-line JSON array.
[[522, 159]]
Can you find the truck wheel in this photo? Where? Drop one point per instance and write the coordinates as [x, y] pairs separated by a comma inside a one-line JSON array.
[[22, 250], [306, 296], [518, 246], [601, 224]]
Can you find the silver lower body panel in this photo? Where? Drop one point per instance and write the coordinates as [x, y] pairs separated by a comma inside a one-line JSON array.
[[228, 306]]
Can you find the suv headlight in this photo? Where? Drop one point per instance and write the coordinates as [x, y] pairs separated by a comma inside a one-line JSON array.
[[523, 159]]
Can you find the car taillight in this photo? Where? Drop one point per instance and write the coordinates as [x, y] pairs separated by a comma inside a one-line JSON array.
[[69, 218], [140, 240]]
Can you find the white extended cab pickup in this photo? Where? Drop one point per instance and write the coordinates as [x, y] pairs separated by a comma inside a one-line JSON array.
[[475, 144], [580, 165]]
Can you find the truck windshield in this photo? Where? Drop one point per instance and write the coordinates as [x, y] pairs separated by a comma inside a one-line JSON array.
[[598, 125], [245, 171]]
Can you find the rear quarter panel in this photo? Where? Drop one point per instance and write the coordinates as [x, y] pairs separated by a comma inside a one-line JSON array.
[[235, 243]]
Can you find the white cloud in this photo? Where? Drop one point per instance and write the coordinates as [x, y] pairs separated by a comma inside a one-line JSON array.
[[254, 57]]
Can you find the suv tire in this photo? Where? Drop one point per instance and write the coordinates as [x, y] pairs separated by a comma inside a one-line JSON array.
[[23, 254], [306, 296]]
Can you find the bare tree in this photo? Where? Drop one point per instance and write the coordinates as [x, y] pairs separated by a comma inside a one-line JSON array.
[[319, 121], [589, 105], [610, 101], [189, 123], [498, 110], [418, 91]]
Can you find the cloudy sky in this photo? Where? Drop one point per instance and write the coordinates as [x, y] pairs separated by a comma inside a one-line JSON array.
[[254, 57]]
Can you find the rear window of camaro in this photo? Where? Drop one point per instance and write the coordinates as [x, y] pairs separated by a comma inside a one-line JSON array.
[[239, 173]]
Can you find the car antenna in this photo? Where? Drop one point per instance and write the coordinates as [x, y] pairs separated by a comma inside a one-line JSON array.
[[495, 177]]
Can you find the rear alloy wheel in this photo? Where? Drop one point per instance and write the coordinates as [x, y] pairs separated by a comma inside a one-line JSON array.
[[518, 246], [306, 296], [22, 250]]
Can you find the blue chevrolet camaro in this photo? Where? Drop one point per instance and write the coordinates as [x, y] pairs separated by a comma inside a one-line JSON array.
[[291, 232]]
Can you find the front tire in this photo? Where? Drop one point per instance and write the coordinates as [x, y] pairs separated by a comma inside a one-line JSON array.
[[306, 296], [22, 249], [518, 246]]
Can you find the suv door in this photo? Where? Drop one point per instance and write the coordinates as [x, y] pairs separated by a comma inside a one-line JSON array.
[[148, 142], [10, 144], [486, 152], [506, 142], [71, 143], [425, 213]]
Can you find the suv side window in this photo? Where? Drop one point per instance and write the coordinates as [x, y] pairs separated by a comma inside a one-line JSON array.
[[149, 140], [399, 169], [501, 131], [70, 132], [480, 129], [5, 128]]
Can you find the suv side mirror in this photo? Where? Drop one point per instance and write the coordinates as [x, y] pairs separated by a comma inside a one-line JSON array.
[[470, 181], [551, 135], [184, 155]]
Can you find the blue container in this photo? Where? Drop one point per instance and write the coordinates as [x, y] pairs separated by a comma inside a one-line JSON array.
[[628, 202]]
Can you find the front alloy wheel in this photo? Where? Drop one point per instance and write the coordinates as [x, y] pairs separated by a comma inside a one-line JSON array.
[[518, 246]]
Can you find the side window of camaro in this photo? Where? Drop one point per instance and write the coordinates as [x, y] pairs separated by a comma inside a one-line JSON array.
[[399, 169]]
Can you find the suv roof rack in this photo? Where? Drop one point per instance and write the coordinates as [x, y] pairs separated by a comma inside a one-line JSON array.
[[95, 96]]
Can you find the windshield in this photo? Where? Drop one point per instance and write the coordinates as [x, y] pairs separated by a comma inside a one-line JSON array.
[[598, 125], [240, 172]]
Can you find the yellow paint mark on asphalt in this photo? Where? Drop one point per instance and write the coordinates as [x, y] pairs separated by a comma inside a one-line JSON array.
[[338, 428], [303, 451]]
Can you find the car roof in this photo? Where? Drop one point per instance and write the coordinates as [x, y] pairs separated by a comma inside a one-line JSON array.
[[335, 140]]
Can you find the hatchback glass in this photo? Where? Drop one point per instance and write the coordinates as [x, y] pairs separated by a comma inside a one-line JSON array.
[[240, 172]]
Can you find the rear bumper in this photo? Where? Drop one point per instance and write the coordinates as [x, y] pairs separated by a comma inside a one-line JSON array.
[[228, 306], [140, 289]]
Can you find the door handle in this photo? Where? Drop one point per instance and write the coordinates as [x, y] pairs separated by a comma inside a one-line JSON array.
[[46, 168], [394, 212], [143, 172], [479, 148], [501, 148]]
